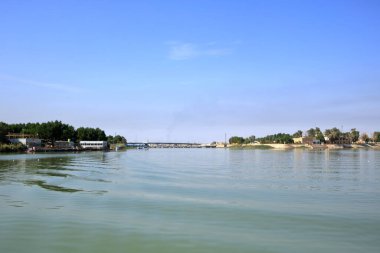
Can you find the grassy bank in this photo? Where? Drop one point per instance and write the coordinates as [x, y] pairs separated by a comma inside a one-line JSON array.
[[6, 148]]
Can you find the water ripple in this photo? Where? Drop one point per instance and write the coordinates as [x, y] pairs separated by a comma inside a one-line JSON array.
[[196, 200]]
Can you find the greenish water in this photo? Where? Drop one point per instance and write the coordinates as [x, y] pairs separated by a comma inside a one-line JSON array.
[[191, 200]]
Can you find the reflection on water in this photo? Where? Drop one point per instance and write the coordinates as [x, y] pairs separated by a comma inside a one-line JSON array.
[[46, 186], [195, 200], [53, 171]]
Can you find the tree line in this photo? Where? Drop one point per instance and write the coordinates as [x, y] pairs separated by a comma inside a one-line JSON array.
[[56, 130], [334, 135]]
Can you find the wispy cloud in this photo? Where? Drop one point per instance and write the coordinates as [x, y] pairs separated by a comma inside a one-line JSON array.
[[184, 51], [53, 86]]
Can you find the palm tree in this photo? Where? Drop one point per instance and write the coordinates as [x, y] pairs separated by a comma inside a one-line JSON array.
[[297, 134], [333, 134]]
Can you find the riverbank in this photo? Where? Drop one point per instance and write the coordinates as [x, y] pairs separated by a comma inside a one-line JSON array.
[[19, 148], [248, 146], [12, 148], [303, 146]]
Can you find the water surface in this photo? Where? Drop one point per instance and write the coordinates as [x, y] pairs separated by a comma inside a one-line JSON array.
[[191, 200]]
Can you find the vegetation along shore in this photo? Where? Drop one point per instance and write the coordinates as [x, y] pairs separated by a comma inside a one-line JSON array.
[[58, 136], [54, 136], [313, 138]]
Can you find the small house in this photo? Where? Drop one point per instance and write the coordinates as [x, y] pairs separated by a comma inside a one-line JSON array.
[[303, 140], [27, 139]]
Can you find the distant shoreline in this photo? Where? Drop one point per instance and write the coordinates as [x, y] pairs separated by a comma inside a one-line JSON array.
[[303, 146], [228, 146]]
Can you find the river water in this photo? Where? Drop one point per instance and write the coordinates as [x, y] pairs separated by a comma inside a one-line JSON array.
[[191, 200]]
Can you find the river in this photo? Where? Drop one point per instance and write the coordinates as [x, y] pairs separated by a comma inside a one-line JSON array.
[[191, 200]]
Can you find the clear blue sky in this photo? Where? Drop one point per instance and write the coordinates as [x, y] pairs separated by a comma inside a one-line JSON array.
[[191, 70]]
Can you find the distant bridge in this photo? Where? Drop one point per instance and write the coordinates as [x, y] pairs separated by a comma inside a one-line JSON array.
[[168, 145]]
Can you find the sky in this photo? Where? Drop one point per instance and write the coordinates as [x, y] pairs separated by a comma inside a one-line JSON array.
[[191, 70]]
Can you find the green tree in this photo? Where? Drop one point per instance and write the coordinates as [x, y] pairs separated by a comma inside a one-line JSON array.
[[364, 137], [100, 135], [118, 139], [250, 139], [16, 128], [53, 131], [376, 136], [311, 132], [333, 134], [68, 133], [280, 138], [298, 134], [31, 128], [82, 134], [319, 135], [90, 134], [4, 129], [236, 140], [354, 135]]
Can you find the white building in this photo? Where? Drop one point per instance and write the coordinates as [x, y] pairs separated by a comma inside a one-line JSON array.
[[29, 142], [93, 144]]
